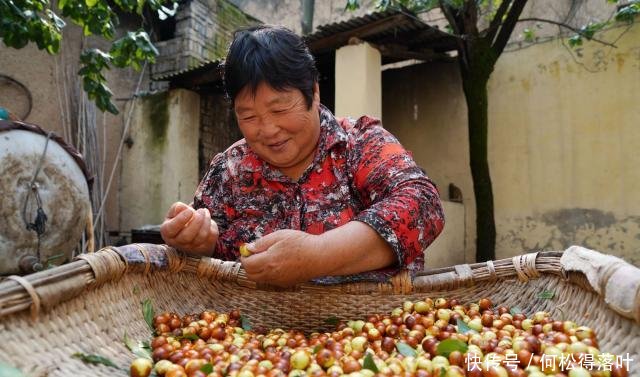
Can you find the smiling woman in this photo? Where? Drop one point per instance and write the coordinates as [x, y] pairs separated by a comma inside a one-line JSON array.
[[312, 196], [278, 126], [271, 78]]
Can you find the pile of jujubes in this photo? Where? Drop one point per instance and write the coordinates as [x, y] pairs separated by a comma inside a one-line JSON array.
[[439, 338]]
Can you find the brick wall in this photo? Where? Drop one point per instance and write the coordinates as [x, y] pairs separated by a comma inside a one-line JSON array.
[[203, 31]]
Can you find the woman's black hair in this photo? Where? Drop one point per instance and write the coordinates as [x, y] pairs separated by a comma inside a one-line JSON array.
[[271, 54]]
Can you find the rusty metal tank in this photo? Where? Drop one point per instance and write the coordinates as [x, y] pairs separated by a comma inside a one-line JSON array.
[[42, 219]]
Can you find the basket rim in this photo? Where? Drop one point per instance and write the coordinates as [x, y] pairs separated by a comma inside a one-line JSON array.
[[591, 270]]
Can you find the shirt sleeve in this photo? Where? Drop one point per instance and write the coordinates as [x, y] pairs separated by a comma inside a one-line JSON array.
[[401, 203], [214, 193]]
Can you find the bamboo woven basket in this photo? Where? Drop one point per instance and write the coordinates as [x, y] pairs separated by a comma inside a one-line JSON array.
[[87, 305]]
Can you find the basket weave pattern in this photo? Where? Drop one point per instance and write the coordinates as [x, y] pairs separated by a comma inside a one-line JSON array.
[[88, 305]]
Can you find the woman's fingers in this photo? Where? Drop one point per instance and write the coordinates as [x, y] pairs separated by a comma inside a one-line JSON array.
[[205, 229], [188, 229], [175, 209], [191, 229], [264, 243], [171, 227], [253, 268]]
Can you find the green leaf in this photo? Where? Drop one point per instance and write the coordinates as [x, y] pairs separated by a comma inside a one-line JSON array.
[[415, 6], [91, 3], [129, 342], [317, 348], [95, 360], [383, 5], [333, 320], [62, 3], [9, 371], [142, 352], [456, 4], [153, 4], [443, 372], [245, 323], [529, 35], [207, 368], [463, 328], [53, 48], [449, 345], [188, 336], [137, 348], [133, 50], [629, 12], [147, 312], [405, 349], [110, 108], [546, 295], [59, 23], [170, 11], [369, 364], [127, 5], [515, 310], [54, 257], [576, 40], [352, 5]]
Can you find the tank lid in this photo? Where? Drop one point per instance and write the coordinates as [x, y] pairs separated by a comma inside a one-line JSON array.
[[7, 125]]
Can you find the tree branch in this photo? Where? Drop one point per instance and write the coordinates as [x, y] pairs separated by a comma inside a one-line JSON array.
[[507, 26], [462, 52], [497, 19], [449, 16], [402, 9], [470, 18], [577, 31]]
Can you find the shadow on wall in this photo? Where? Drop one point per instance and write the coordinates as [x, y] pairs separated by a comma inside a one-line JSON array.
[[559, 229]]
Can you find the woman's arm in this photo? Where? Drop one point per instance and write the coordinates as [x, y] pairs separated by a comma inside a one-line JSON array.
[[401, 203], [354, 247], [287, 257]]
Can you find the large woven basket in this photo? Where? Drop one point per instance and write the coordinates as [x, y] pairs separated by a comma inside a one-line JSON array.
[[87, 305]]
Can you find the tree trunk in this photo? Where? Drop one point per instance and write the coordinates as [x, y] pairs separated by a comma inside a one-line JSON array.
[[476, 96], [475, 77], [477, 56]]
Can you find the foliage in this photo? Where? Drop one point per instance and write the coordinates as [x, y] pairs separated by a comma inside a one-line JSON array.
[[148, 313], [449, 345], [412, 5], [405, 349], [95, 360], [369, 363], [626, 13], [138, 348], [35, 21]]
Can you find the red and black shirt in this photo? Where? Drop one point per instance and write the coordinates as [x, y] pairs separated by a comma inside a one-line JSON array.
[[360, 173]]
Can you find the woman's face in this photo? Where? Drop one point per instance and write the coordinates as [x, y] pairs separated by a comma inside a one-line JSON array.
[[278, 127]]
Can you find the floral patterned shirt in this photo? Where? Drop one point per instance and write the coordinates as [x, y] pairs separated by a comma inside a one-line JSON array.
[[360, 173]]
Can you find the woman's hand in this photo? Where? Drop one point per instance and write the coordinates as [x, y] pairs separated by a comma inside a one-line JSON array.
[[282, 258], [192, 231], [287, 257]]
